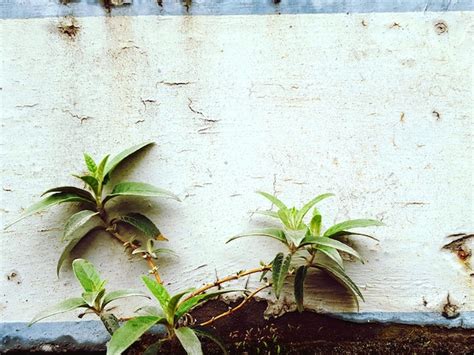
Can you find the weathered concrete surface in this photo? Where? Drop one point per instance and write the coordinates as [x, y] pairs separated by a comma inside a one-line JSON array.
[[373, 107]]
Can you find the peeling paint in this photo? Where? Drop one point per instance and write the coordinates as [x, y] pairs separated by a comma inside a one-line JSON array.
[[461, 247]]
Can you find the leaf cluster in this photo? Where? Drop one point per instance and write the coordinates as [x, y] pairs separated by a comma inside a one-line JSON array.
[[170, 312], [93, 199], [306, 241], [94, 297]]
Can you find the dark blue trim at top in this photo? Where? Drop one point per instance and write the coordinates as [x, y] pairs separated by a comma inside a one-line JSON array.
[[53, 8]]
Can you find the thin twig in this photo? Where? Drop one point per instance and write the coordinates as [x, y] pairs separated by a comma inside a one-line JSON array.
[[236, 308], [148, 258], [226, 279]]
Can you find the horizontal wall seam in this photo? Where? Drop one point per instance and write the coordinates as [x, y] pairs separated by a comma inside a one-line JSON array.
[[21, 9]]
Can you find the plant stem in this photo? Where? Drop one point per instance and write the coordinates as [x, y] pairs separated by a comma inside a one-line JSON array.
[[313, 255], [102, 213], [236, 308], [110, 322], [148, 258], [225, 279], [111, 228]]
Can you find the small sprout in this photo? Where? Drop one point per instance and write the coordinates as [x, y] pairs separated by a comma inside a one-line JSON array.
[[94, 298], [172, 313]]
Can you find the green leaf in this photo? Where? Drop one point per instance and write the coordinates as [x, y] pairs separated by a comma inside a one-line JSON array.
[[150, 249], [315, 225], [189, 341], [74, 190], [138, 189], [129, 333], [273, 199], [299, 286], [116, 160], [354, 223], [189, 304], [99, 174], [94, 298], [87, 275], [66, 251], [65, 306], [280, 269], [115, 295], [154, 348], [152, 311], [328, 242], [276, 267], [172, 304], [143, 224], [332, 254], [291, 215], [90, 163], [284, 215], [346, 233], [274, 233], [90, 181], [80, 224], [341, 277], [52, 200], [158, 290], [302, 212], [201, 332], [295, 236]]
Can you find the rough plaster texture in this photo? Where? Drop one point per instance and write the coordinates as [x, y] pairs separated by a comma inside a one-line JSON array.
[[296, 105]]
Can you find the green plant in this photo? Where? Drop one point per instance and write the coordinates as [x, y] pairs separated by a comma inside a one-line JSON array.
[[170, 313], [94, 298], [93, 214], [307, 241]]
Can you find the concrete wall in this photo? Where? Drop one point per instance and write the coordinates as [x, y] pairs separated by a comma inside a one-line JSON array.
[[376, 108]]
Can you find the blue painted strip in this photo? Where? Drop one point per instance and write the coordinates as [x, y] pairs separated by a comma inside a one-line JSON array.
[[464, 320], [86, 335], [91, 335], [10, 9]]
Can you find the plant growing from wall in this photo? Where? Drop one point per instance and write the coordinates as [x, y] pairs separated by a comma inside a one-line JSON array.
[[307, 241], [303, 240], [170, 313], [94, 299], [307, 247], [93, 213]]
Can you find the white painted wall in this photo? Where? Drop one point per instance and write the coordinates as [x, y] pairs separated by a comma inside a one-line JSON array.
[[304, 104]]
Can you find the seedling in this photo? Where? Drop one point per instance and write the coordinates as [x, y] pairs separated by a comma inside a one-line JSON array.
[[94, 299], [93, 214], [171, 313], [307, 239]]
